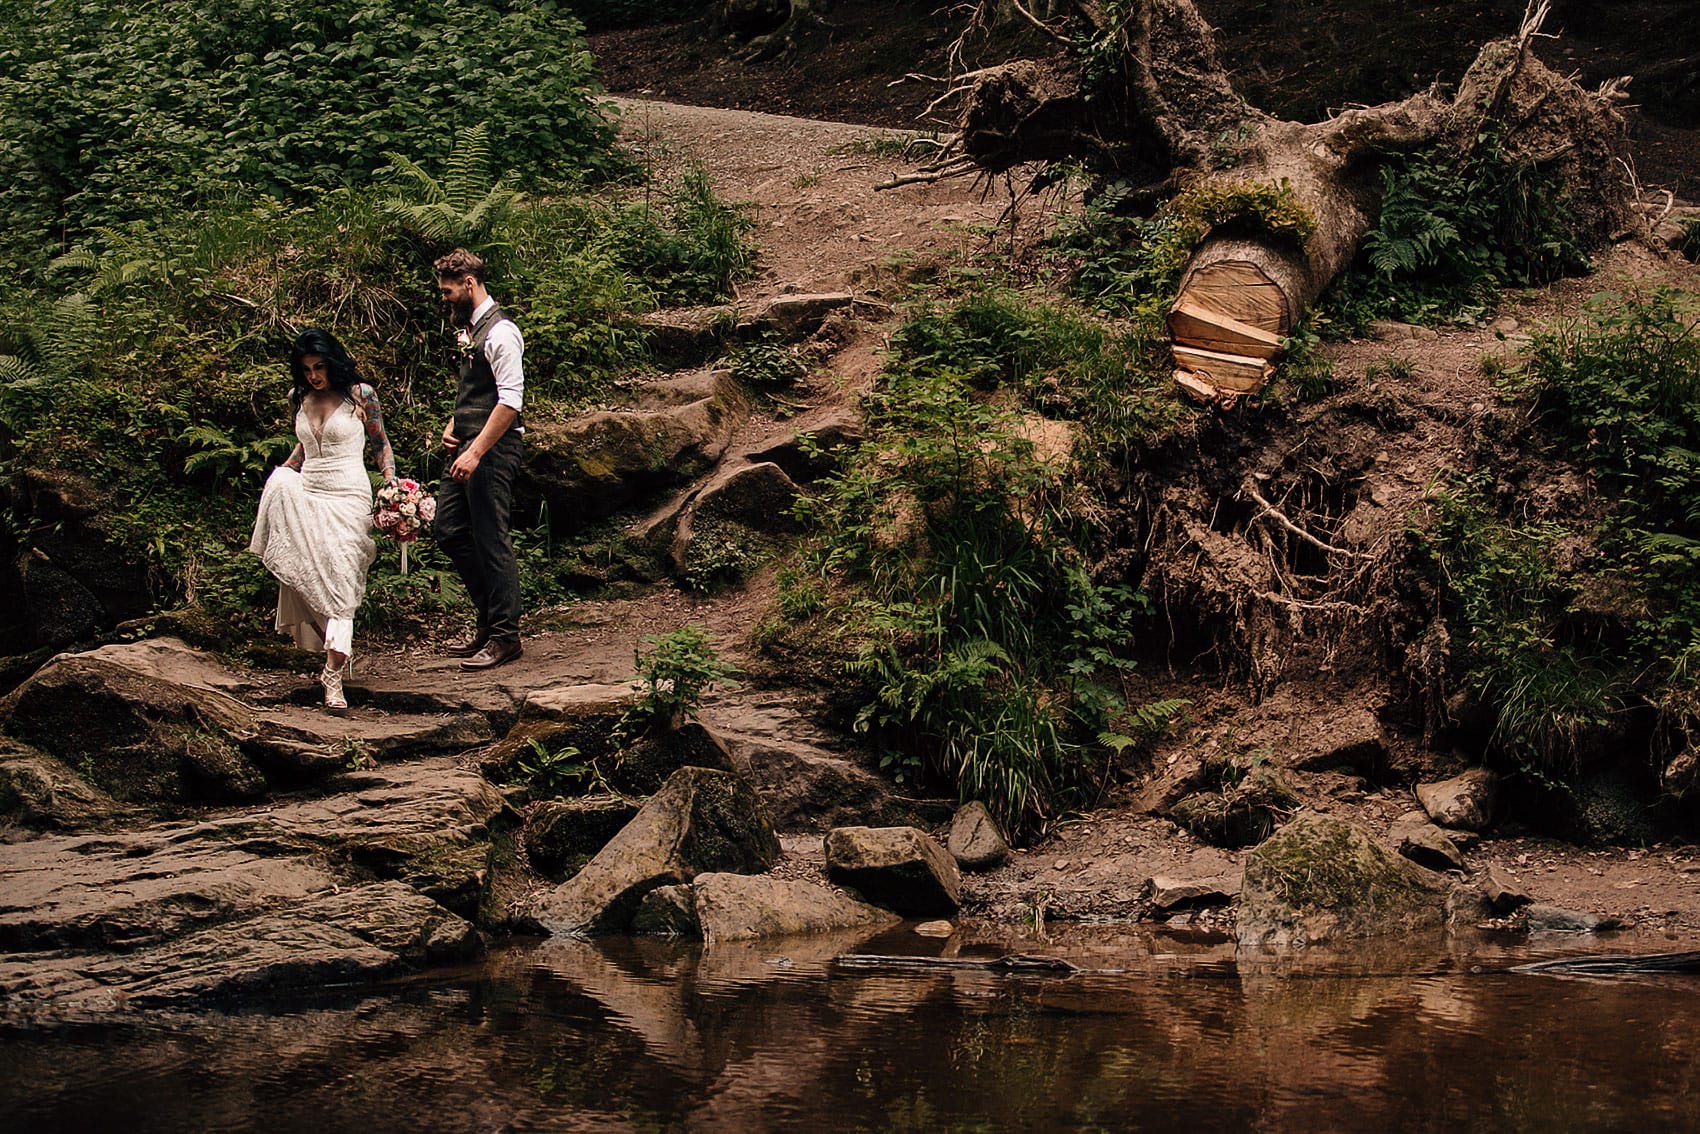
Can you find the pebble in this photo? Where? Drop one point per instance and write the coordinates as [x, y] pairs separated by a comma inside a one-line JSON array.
[[1060, 864], [935, 929]]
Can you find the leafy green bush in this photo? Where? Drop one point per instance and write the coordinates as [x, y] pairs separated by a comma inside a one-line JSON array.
[[111, 113], [1131, 265], [1545, 685], [153, 362]]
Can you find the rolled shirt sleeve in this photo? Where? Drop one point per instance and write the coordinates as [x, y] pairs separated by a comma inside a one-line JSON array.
[[504, 347]]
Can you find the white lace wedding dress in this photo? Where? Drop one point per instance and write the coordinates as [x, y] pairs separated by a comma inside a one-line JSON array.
[[313, 527]]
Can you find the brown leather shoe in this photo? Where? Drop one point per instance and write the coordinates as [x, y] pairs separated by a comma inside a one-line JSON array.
[[493, 654], [469, 647]]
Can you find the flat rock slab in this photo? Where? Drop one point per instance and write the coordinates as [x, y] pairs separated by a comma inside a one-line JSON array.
[[356, 935], [1465, 801], [741, 907], [424, 823]]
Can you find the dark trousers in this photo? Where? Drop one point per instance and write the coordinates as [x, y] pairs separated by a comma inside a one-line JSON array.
[[472, 527]]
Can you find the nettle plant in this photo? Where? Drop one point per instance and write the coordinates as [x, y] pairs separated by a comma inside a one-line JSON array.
[[674, 671]]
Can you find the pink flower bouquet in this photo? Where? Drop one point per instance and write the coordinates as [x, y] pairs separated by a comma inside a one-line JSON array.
[[402, 508]]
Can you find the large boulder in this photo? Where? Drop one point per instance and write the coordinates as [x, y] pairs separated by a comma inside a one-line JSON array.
[[808, 788], [975, 840], [900, 868], [737, 907], [71, 580], [597, 464], [701, 821], [815, 446], [1320, 879], [650, 760], [590, 719], [127, 716], [1465, 801]]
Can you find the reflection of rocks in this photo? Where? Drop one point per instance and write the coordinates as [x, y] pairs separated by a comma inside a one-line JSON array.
[[900, 868], [1319, 879], [733, 907], [702, 820]]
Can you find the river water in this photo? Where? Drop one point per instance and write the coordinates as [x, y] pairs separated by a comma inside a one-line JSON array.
[[1160, 1033]]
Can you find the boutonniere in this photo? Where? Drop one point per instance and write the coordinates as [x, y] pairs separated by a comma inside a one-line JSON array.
[[463, 341]]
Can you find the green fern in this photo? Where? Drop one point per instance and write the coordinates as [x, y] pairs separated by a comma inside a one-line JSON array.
[[463, 205]]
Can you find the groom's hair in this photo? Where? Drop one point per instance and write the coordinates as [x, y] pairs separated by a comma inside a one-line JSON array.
[[460, 262]]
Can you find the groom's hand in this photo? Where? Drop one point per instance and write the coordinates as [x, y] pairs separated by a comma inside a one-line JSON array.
[[450, 441], [464, 466]]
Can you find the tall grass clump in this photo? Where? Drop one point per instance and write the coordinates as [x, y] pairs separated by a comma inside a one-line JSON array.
[[956, 543]]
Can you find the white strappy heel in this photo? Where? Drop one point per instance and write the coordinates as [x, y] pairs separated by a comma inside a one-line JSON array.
[[335, 703]]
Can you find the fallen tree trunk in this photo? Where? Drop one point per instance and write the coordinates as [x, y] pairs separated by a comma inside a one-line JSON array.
[[1149, 103]]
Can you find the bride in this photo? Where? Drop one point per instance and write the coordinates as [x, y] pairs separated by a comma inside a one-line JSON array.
[[316, 511]]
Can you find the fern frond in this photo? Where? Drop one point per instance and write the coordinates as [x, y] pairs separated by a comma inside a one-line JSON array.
[[468, 175]]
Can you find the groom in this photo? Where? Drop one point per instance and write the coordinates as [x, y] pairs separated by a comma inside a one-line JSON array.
[[483, 443]]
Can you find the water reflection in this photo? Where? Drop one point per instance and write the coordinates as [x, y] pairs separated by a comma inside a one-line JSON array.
[[1160, 1033]]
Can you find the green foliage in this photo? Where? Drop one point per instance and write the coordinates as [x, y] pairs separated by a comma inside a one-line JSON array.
[[553, 772], [768, 367], [1061, 362], [1546, 687], [1560, 653], [987, 650], [1455, 231], [674, 670], [153, 363], [1690, 246], [459, 209], [723, 552], [112, 113], [1132, 266]]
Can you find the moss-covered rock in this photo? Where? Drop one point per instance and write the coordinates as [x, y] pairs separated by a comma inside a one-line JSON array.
[[1241, 812], [1320, 879], [561, 835], [38, 791]]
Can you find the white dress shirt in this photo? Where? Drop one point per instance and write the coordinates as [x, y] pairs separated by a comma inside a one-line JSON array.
[[503, 348]]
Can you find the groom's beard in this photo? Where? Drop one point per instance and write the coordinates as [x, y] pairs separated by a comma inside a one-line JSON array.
[[462, 310]]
